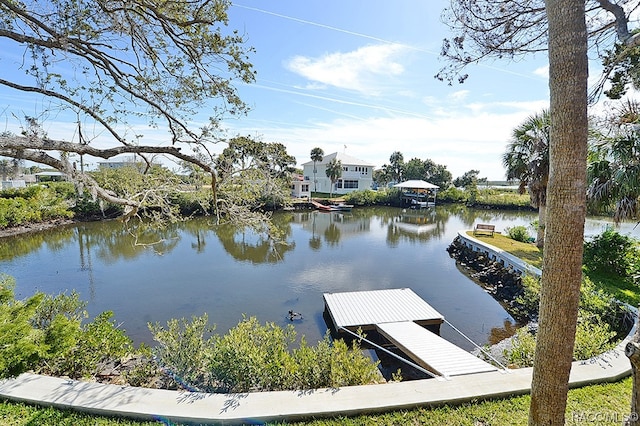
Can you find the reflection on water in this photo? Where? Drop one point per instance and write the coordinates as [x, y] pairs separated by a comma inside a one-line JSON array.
[[152, 275]]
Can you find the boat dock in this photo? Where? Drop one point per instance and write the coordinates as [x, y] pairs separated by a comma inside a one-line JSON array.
[[405, 320]]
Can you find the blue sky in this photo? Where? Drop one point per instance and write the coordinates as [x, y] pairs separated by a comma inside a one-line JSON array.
[[357, 77], [360, 74]]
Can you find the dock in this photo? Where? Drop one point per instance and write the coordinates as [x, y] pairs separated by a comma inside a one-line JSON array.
[[406, 321]]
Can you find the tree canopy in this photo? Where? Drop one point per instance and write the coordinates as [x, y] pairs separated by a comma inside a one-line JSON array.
[[113, 65], [397, 171], [513, 29]]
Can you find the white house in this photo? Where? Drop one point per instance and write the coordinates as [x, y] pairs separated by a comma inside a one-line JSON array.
[[300, 188], [357, 175]]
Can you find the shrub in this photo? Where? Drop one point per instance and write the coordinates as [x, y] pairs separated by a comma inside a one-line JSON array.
[[349, 366], [21, 345], [255, 357], [529, 300], [32, 204], [518, 233], [252, 357], [523, 349], [592, 339], [85, 347], [184, 350], [367, 197], [452, 195], [68, 305], [612, 252]]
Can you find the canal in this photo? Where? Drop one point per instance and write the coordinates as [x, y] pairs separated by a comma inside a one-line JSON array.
[[194, 267]]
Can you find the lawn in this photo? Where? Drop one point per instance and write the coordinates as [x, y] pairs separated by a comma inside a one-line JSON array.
[[620, 288], [601, 404], [525, 251]]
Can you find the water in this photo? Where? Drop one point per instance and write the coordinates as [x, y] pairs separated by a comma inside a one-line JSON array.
[[195, 267]]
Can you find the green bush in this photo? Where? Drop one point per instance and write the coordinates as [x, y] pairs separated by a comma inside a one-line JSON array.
[[529, 300], [45, 334], [255, 357], [600, 321], [35, 203], [592, 339], [367, 197], [521, 353], [193, 202], [21, 345], [383, 196], [612, 252], [453, 195], [518, 233], [86, 346], [183, 350], [502, 198]]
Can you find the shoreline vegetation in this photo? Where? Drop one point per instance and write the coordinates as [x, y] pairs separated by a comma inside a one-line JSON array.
[[505, 288]]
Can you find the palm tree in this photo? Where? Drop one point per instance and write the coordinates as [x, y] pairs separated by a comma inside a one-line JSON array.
[[334, 172], [562, 257], [316, 155], [527, 159], [613, 170], [396, 166]]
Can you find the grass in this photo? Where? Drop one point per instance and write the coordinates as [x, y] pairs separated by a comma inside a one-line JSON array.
[[502, 198], [620, 288], [606, 403], [525, 251]]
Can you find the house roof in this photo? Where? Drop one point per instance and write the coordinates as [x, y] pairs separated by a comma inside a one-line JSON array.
[[343, 158]]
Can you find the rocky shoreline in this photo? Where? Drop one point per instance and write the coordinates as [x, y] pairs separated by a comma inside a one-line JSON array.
[[503, 284]]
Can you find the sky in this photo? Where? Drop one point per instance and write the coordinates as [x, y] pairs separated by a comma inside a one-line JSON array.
[[357, 77]]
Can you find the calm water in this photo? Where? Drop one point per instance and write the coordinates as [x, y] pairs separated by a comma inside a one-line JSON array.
[[195, 268]]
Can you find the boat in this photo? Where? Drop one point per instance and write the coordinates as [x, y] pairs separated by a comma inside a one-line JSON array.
[[343, 207], [323, 207]]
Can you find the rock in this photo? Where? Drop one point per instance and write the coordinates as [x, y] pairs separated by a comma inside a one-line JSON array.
[[505, 285]]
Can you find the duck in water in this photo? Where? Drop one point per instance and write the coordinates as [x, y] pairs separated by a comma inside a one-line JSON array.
[[294, 316]]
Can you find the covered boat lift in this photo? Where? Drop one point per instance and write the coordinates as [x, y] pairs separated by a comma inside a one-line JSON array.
[[417, 193]]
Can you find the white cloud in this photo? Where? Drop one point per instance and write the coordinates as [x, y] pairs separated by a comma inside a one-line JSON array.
[[459, 137], [542, 71], [357, 70]]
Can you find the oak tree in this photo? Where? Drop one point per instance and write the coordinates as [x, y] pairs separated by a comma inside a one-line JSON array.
[[111, 66]]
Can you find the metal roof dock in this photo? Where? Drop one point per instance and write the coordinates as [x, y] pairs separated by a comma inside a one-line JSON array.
[[400, 316], [364, 309]]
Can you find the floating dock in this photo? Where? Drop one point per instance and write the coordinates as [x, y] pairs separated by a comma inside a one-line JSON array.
[[401, 316]]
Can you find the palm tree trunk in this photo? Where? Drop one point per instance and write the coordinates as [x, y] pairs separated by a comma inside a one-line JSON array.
[[566, 210], [542, 217]]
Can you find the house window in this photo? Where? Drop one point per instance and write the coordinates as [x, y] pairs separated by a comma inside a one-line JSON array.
[[305, 187], [345, 168], [350, 184]]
